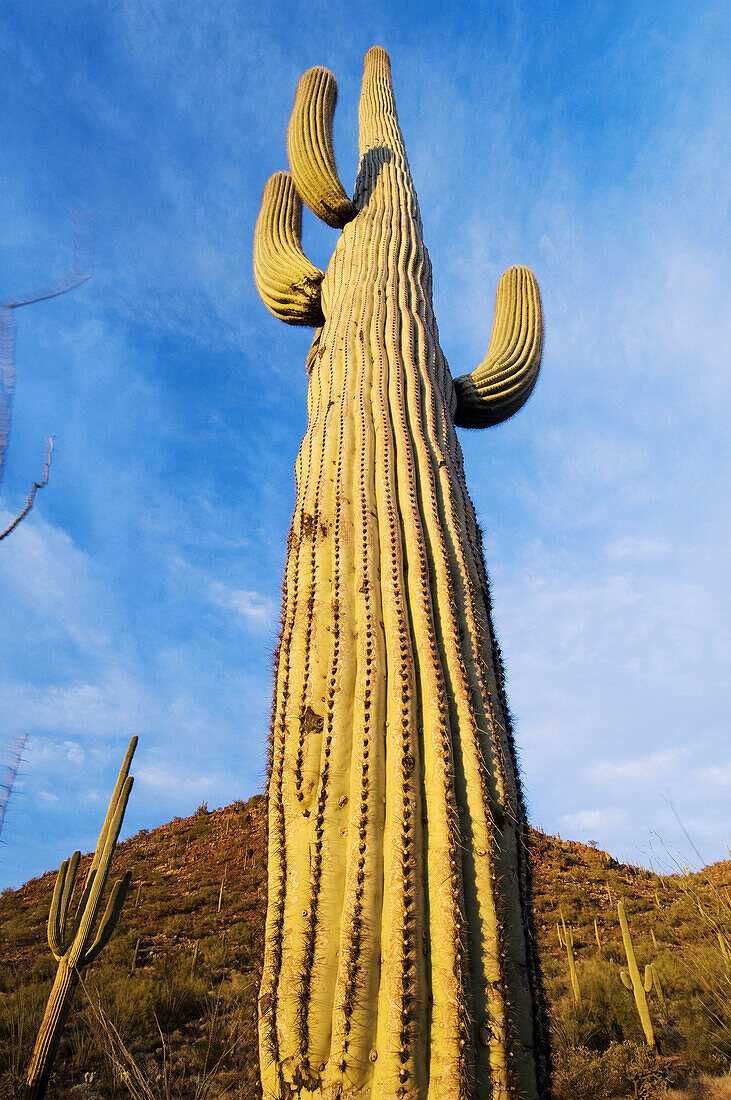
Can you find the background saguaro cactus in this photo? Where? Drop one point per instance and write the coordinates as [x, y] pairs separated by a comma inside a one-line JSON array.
[[399, 956], [633, 981], [566, 939], [80, 945]]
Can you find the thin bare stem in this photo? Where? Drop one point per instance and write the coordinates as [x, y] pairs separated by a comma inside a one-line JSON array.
[[32, 495]]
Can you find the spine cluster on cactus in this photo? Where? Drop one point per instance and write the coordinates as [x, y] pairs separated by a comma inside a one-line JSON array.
[[77, 946], [399, 953], [633, 981]]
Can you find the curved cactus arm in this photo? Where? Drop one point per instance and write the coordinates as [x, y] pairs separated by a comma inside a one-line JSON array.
[[55, 934], [109, 920], [505, 378], [626, 980], [310, 148], [286, 280], [648, 978], [68, 892]]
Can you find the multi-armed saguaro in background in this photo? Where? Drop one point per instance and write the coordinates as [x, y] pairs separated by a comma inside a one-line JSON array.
[[399, 959], [78, 946]]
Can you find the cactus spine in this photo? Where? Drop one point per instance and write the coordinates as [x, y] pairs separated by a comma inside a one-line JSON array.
[[399, 956], [632, 980], [80, 946]]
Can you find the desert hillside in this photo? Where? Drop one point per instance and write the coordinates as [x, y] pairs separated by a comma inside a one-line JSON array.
[[169, 1008]]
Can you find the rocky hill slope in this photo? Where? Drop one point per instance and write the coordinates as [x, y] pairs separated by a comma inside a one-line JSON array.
[[169, 1008]]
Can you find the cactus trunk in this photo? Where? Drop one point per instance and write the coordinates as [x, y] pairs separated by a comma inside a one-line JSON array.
[[51, 1029], [399, 960]]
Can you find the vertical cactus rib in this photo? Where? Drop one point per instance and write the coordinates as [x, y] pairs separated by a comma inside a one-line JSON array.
[[504, 380], [308, 469], [347, 723], [288, 283], [310, 148], [399, 962], [82, 946], [356, 988], [398, 1061]]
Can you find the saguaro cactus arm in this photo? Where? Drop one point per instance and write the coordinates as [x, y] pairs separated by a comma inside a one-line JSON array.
[[111, 916], [286, 280], [505, 378], [81, 947], [310, 148]]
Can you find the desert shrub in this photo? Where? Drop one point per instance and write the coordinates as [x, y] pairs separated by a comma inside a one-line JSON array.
[[128, 1000], [21, 1011], [625, 1069], [605, 1014], [178, 996]]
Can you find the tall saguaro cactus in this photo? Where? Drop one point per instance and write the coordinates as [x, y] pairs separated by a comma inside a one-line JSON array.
[[633, 981], [399, 957], [78, 946]]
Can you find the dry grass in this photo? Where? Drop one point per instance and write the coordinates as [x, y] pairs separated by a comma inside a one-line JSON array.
[[704, 1088]]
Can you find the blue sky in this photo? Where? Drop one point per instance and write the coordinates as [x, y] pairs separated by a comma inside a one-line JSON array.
[[587, 140]]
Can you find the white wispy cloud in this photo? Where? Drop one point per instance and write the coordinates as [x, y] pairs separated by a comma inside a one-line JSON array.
[[598, 821], [656, 768], [251, 606]]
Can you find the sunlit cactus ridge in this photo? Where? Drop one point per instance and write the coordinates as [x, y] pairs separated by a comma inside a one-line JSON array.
[[399, 956]]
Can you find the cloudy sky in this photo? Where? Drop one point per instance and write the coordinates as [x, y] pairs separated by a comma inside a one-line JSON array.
[[588, 140]]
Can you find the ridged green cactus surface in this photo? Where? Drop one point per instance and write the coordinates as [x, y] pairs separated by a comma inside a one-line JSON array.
[[399, 957]]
